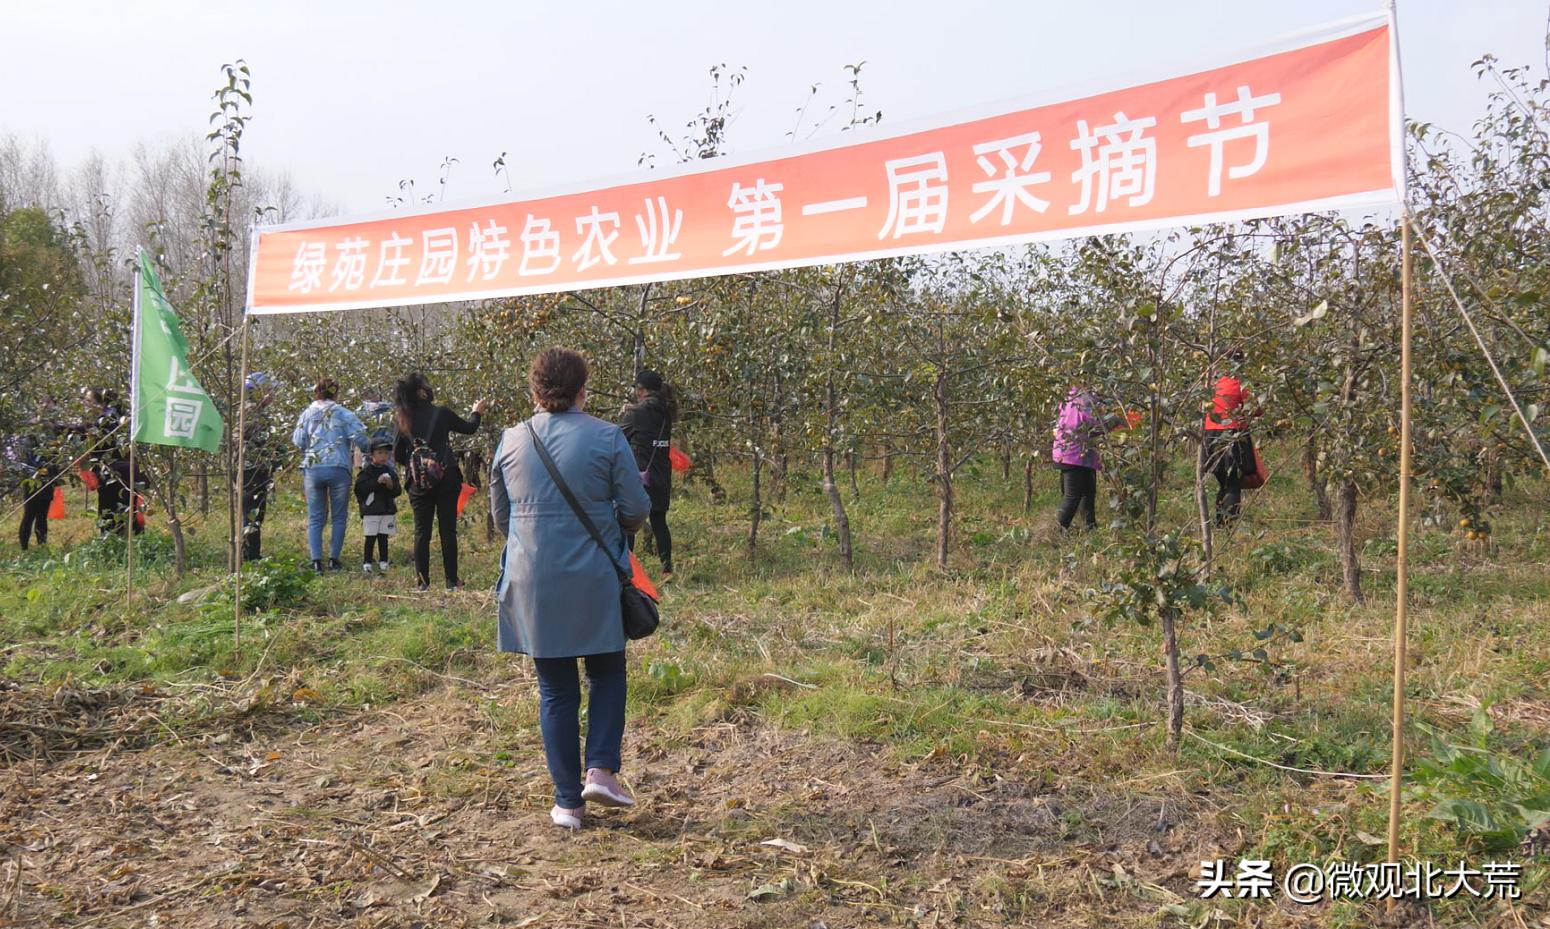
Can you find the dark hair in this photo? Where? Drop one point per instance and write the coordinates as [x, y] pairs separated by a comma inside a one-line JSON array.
[[557, 378], [409, 394], [652, 383], [325, 389]]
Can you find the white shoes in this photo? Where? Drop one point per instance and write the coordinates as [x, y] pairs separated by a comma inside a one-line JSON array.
[[566, 819], [604, 789], [366, 568], [382, 566]]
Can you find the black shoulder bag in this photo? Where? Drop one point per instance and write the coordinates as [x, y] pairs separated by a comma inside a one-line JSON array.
[[638, 611]]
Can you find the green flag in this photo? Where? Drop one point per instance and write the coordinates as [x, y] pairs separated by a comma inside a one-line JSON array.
[[167, 406]]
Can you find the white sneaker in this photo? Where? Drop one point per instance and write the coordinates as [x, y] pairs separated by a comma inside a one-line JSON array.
[[382, 566], [566, 819], [366, 568], [605, 789]]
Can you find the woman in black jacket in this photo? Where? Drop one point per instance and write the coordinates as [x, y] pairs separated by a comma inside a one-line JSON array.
[[648, 424], [107, 437], [35, 472], [421, 446]]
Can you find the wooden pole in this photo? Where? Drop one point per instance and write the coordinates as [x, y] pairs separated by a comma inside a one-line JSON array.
[[1402, 538], [240, 519], [1402, 530]]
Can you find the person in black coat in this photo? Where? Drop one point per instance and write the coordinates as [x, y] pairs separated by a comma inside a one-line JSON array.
[[35, 473], [262, 457], [376, 490], [423, 428], [107, 438], [647, 421]]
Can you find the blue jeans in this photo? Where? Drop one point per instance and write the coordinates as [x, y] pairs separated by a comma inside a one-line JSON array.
[[328, 491], [559, 706]]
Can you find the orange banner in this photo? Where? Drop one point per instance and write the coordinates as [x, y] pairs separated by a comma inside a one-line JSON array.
[[1311, 123]]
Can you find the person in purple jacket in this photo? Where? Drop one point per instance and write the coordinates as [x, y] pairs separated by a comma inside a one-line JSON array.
[[1077, 430]]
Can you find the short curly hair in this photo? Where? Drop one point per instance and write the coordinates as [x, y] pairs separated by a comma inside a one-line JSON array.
[[326, 388], [557, 378]]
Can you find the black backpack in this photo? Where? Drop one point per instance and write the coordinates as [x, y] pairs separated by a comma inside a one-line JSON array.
[[425, 467]]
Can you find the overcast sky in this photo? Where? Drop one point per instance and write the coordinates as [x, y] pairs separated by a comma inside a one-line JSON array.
[[352, 97]]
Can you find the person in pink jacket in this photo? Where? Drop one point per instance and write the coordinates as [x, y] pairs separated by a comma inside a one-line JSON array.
[[1075, 452]]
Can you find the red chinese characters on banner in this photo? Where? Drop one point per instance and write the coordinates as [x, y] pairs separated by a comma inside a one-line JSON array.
[[1311, 125]]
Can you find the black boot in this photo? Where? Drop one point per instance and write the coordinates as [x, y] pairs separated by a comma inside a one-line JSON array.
[[251, 543]]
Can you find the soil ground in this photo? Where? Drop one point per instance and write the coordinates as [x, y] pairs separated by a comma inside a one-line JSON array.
[[426, 814]]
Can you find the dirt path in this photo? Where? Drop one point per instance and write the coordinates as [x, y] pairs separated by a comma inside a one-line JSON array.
[[430, 813]]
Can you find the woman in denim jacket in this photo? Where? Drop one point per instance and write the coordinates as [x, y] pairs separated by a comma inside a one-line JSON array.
[[324, 433]]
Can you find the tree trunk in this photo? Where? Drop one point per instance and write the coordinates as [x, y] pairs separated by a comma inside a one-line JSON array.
[[165, 492], [831, 419], [1316, 481], [1028, 484], [887, 461], [1155, 467], [233, 479], [1203, 506], [1345, 537], [851, 463], [1175, 679], [1345, 503], [781, 460], [832, 491], [1492, 481], [179, 547], [944, 474], [1006, 460], [705, 470], [233, 498], [756, 510], [204, 488]]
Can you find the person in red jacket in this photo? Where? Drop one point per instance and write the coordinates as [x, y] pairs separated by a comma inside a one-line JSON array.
[[1229, 449]]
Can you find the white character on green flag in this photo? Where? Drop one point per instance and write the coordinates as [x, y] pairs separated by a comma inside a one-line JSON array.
[[168, 405]]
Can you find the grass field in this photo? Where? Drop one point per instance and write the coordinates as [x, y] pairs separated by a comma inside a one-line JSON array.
[[975, 748]]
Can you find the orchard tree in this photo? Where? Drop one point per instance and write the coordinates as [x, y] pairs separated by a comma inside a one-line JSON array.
[[948, 328], [1481, 206], [1339, 364], [41, 295]]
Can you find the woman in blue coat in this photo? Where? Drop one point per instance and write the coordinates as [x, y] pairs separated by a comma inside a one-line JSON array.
[[558, 595]]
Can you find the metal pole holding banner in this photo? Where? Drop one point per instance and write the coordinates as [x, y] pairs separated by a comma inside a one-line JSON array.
[[240, 477], [129, 524]]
